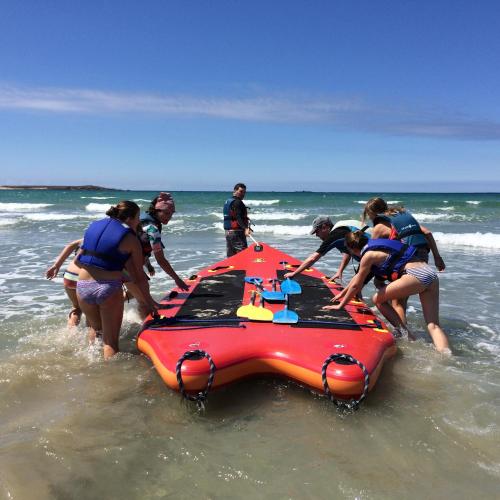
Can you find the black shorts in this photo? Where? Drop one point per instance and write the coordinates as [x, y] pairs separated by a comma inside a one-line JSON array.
[[236, 241]]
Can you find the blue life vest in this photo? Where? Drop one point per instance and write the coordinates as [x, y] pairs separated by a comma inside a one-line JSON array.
[[399, 255], [230, 220], [405, 228], [100, 245]]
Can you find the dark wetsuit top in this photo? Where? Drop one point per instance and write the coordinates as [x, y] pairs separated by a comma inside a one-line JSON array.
[[334, 240], [240, 213]]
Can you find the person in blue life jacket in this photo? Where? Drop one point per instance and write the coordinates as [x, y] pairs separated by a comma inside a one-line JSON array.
[[396, 223], [159, 214], [396, 262], [110, 246], [332, 236], [236, 221]]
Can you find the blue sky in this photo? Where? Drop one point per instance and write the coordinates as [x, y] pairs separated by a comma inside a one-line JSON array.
[[282, 95]]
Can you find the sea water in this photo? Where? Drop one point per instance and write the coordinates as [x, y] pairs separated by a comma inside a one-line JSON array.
[[74, 426]]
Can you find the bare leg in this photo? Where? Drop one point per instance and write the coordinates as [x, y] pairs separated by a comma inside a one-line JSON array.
[[111, 311], [389, 313], [399, 306], [93, 315], [429, 299], [400, 289], [75, 313]]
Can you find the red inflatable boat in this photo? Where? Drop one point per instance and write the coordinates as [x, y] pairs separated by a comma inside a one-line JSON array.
[[215, 333]]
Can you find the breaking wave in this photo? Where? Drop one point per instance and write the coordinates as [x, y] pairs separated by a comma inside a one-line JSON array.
[[257, 203], [16, 207], [475, 240]]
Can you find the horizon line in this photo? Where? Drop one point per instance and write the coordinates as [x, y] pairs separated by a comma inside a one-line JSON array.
[[77, 187]]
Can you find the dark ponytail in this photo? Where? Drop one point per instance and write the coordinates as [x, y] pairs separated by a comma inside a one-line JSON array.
[[123, 210]]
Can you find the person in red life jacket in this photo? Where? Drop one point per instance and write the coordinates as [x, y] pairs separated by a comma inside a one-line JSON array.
[[332, 236], [396, 262], [109, 246], [396, 223], [236, 221], [70, 279]]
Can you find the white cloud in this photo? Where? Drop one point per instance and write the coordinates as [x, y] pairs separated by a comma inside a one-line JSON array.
[[273, 109], [350, 114]]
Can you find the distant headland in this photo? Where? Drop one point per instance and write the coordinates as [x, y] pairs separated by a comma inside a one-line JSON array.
[[87, 187]]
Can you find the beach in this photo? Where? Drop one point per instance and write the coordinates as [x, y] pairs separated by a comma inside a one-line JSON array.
[[74, 426]]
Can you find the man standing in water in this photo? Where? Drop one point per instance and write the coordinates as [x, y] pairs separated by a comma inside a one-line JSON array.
[[236, 221]]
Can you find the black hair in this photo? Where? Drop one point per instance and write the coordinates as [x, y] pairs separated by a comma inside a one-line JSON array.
[[123, 210], [153, 212]]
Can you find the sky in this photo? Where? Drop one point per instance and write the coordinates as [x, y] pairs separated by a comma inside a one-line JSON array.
[[335, 95]]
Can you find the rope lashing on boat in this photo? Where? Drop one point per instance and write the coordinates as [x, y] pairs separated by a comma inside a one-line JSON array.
[[201, 327], [195, 355], [352, 404]]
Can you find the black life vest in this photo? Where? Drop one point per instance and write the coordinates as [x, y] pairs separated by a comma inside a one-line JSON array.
[[230, 219]]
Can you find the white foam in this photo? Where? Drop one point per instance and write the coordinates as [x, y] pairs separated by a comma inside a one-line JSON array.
[[21, 298], [174, 222], [475, 240], [473, 202], [141, 199], [131, 315], [446, 208], [361, 202], [98, 197], [16, 207], [279, 230], [98, 207], [7, 222], [491, 348], [485, 328], [50, 216], [276, 216], [256, 203], [267, 216], [282, 230], [393, 202], [431, 217]]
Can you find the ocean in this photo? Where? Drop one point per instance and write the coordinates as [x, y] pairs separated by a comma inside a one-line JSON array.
[[74, 426]]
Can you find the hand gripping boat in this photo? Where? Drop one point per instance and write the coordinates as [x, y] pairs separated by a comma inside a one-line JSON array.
[[221, 330]]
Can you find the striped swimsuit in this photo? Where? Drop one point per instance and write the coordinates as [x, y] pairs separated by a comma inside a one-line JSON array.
[[425, 274], [70, 279]]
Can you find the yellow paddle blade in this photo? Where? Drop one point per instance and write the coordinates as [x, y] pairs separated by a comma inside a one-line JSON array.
[[261, 314], [245, 311]]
